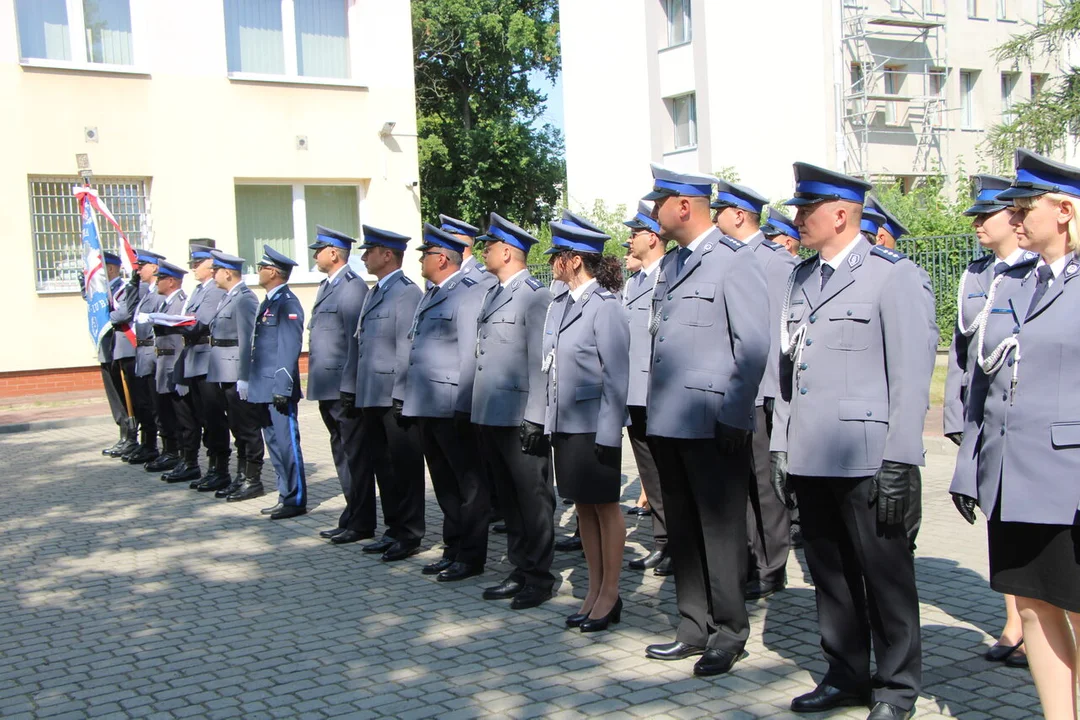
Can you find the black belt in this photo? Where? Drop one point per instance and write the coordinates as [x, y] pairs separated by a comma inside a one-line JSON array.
[[165, 351], [214, 342], [201, 341], [148, 342]]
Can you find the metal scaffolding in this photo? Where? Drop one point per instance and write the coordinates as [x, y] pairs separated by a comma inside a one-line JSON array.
[[895, 91]]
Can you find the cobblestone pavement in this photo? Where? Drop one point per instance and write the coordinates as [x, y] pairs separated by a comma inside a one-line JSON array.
[[123, 596]]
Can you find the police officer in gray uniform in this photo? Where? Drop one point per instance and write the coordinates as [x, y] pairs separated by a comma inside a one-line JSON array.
[[438, 392], [768, 521], [779, 228], [848, 428], [274, 380], [508, 394], [168, 343], [467, 233], [142, 385], [110, 370], [375, 371], [232, 329], [710, 348], [332, 324]]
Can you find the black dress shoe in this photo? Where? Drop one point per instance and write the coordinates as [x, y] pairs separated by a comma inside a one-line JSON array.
[[576, 619], [499, 528], [1000, 652], [437, 567], [826, 697], [400, 550], [142, 455], [569, 544], [379, 546], [127, 448], [271, 510], [214, 483], [183, 473], [649, 561], [715, 662], [331, 533], [288, 511], [758, 589], [664, 568], [163, 462], [796, 536], [591, 624], [249, 490], [508, 588], [530, 596], [459, 571], [888, 711], [350, 536], [677, 650]]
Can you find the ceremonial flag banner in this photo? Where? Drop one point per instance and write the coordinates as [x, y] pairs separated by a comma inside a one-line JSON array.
[[99, 300]]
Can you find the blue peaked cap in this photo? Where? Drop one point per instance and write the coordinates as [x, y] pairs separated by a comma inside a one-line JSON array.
[[148, 257], [457, 227], [1037, 175], [668, 182], [276, 259], [781, 224], [565, 236], [111, 258], [167, 269], [987, 189], [739, 196], [643, 220], [890, 225], [437, 237], [569, 218], [374, 237], [325, 237], [227, 261], [200, 252], [814, 184], [871, 220], [502, 230]]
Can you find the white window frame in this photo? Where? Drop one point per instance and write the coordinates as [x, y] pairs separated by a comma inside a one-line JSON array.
[[1009, 82], [688, 28], [1004, 8], [937, 94], [893, 78], [969, 120], [973, 10], [77, 40], [933, 7], [303, 275], [692, 121]]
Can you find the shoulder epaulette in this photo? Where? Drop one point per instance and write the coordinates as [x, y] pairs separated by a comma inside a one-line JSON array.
[[772, 245], [979, 264], [808, 261], [468, 281], [405, 280], [732, 242], [480, 268], [893, 256], [533, 283], [605, 294]]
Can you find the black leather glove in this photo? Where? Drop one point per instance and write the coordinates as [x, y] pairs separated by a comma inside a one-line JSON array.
[[965, 505], [730, 440], [608, 456], [779, 477], [890, 488], [348, 403], [403, 422], [281, 404], [533, 440], [956, 437]]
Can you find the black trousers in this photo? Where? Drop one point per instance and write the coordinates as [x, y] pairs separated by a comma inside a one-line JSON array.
[[166, 415], [189, 432], [454, 464], [246, 420], [768, 521], [705, 499], [114, 391], [650, 478], [913, 516], [864, 575], [344, 435], [142, 394], [527, 497], [393, 458], [211, 409]]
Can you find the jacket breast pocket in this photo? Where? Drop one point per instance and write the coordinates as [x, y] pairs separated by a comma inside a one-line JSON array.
[[326, 315], [1065, 435], [697, 302], [505, 327], [849, 326], [437, 322], [377, 323]]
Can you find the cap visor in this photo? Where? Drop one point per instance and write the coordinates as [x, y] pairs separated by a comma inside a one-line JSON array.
[[553, 250], [318, 245], [985, 209], [799, 202], [626, 245], [657, 194], [1020, 192]]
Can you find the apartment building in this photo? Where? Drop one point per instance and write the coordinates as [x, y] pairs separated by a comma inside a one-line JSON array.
[[893, 88], [247, 121]]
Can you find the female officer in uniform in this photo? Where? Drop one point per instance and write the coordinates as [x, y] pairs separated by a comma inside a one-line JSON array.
[[587, 358], [1022, 428]]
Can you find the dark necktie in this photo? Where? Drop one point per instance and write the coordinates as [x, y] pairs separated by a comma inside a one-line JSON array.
[[322, 290], [684, 254], [1043, 275], [1001, 267], [569, 304], [826, 273]]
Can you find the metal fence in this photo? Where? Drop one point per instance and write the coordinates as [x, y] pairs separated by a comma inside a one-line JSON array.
[[944, 258]]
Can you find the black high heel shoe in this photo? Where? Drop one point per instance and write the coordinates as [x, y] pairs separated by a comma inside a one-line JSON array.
[[576, 619], [597, 624]]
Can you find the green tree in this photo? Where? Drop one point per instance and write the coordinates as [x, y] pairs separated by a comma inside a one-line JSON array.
[[1045, 122], [480, 147]]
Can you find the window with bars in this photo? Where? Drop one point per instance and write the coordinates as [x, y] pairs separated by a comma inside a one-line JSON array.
[[56, 225]]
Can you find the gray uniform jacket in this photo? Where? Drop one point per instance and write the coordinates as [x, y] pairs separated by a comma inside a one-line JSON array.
[[124, 314], [145, 359], [378, 360], [1025, 443], [589, 376], [509, 385], [231, 331], [105, 347], [203, 305], [712, 341], [333, 322], [637, 298], [442, 361], [932, 332], [777, 263], [275, 348], [472, 269], [168, 343], [856, 392]]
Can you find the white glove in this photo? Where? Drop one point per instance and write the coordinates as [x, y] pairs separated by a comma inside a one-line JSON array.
[[142, 318], [242, 389], [182, 390]]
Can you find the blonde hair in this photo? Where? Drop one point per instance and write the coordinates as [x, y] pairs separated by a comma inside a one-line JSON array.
[[1072, 232]]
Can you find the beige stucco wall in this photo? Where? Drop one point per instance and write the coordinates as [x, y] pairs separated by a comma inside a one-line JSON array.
[[194, 133]]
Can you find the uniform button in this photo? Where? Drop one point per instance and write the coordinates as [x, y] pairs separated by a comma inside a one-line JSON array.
[[849, 313], [809, 342], [1005, 396], [710, 385], [669, 297], [661, 339], [665, 317], [802, 366], [482, 352], [485, 336], [869, 413], [1016, 328], [802, 391], [658, 360], [1010, 362], [697, 292], [480, 367], [411, 362], [1002, 431], [813, 318]]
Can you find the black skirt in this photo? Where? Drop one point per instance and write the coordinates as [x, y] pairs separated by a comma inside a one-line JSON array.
[[579, 475], [1035, 561]]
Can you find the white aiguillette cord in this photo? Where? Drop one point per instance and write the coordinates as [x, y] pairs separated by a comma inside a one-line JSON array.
[[992, 363], [791, 345]]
